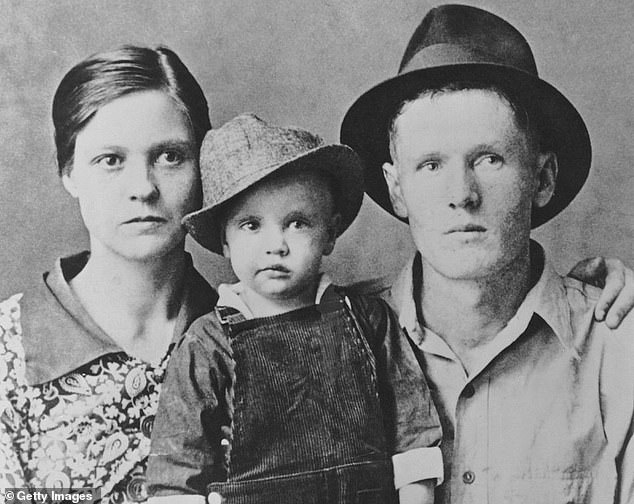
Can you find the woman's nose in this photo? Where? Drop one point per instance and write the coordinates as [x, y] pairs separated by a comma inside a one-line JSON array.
[[140, 181]]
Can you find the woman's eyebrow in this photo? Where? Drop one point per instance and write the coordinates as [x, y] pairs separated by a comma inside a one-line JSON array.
[[173, 144]]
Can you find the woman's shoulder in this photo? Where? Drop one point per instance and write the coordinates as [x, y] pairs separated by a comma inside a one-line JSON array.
[[11, 348]]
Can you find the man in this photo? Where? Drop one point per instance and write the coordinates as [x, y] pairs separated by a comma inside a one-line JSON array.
[[473, 149]]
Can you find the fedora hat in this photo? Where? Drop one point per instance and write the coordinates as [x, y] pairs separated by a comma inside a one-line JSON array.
[[456, 43], [246, 150]]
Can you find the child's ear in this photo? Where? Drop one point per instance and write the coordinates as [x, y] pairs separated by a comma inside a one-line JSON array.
[[333, 232], [226, 251]]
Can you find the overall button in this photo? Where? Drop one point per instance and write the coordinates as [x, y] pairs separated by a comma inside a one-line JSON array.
[[214, 498], [468, 477], [468, 391]]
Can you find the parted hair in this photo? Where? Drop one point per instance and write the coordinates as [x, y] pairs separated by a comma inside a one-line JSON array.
[[106, 76]]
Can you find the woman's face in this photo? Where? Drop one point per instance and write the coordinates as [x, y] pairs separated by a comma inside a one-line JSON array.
[[135, 174]]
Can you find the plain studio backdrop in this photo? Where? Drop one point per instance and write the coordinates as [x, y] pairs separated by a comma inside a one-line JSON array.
[[301, 63]]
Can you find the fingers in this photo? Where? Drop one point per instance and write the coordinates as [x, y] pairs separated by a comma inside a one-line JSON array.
[[623, 303], [591, 271], [614, 283]]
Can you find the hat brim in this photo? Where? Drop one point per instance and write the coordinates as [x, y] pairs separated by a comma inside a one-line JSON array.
[[338, 161], [365, 126]]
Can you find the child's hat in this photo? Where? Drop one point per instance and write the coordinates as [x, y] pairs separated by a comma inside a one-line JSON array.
[[246, 149]]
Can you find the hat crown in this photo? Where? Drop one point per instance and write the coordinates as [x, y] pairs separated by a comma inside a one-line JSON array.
[[244, 147], [458, 34]]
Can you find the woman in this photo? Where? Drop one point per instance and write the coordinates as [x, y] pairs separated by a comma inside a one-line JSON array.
[[82, 357]]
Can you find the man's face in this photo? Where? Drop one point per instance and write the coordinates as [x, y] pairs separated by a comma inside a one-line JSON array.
[[466, 176]]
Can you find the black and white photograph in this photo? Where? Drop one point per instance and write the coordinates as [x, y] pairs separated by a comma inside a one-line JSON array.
[[317, 252]]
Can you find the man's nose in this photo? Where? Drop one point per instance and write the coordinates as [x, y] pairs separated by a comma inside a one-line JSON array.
[[140, 180], [463, 189]]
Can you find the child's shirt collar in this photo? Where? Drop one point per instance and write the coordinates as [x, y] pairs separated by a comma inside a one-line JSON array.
[[230, 295]]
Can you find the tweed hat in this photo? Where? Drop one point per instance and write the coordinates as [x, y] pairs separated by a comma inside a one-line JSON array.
[[246, 150], [459, 43]]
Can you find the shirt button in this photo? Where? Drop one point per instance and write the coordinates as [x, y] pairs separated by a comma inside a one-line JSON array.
[[468, 391], [136, 489], [468, 477]]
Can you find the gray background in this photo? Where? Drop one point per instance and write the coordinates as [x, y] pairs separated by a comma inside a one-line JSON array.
[[301, 63]]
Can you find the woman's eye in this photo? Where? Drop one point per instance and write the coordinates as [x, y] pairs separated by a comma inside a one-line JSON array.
[[109, 161], [169, 158]]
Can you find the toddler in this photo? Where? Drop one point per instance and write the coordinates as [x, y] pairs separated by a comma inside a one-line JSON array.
[[292, 390]]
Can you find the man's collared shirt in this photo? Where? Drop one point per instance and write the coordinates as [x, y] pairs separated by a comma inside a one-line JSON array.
[[76, 411], [547, 415]]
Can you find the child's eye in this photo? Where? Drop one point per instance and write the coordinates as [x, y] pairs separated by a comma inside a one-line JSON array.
[[109, 161], [250, 225], [169, 158]]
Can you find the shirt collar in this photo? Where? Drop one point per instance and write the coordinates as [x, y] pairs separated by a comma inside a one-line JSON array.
[[59, 335], [547, 299], [229, 295]]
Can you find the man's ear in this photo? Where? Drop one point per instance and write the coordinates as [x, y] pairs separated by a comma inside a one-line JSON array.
[[390, 173], [69, 184], [547, 169], [333, 232]]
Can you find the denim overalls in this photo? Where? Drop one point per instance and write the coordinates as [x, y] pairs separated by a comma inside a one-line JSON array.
[[307, 423]]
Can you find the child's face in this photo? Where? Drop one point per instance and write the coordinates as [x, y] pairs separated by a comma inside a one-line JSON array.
[[276, 235]]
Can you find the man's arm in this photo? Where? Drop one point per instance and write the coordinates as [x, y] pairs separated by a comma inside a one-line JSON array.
[[617, 282]]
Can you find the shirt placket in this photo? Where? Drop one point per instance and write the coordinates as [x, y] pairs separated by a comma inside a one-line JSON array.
[[470, 458]]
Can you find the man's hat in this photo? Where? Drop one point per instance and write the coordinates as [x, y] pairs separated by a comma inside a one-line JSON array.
[[461, 43], [246, 150]]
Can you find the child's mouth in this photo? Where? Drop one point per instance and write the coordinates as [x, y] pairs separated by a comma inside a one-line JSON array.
[[277, 268]]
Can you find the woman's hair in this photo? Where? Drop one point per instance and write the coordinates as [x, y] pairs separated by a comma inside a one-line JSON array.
[[106, 76]]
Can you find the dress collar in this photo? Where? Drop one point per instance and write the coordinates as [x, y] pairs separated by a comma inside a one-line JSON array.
[[547, 299], [59, 335]]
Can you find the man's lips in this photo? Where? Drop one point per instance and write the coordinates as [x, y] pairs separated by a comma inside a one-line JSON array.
[[466, 228]]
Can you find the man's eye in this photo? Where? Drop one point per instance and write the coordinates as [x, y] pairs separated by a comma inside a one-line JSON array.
[[169, 158], [491, 160], [430, 166], [298, 224], [109, 161]]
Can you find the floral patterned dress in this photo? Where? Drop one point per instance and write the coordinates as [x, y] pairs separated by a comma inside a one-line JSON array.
[[75, 410]]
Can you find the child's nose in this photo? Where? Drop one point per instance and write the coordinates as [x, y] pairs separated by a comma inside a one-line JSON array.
[[276, 243]]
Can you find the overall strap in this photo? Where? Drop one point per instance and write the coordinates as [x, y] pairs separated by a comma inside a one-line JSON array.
[[229, 317]]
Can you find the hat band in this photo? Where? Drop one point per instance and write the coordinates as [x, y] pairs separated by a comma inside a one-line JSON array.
[[439, 55]]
